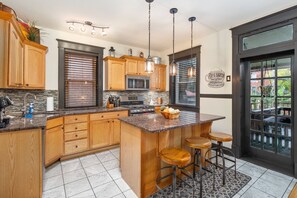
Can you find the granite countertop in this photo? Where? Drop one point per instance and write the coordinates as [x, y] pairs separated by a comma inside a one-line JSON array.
[[155, 123], [39, 119]]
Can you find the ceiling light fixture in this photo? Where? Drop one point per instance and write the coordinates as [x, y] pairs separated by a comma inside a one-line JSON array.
[[87, 24], [149, 63], [191, 69], [173, 65]]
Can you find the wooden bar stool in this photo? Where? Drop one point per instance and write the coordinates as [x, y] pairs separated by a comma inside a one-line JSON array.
[[199, 143], [176, 158], [220, 138]]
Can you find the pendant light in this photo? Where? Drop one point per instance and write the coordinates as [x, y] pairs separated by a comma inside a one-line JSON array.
[[191, 69], [173, 65], [149, 63]]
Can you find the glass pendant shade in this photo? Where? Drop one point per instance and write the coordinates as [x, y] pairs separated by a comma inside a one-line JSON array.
[[149, 65], [173, 69], [191, 72]]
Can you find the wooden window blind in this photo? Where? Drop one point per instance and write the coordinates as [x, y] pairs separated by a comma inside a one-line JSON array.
[[80, 79]]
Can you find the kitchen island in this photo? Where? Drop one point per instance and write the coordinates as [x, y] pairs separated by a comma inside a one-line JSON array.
[[144, 136]]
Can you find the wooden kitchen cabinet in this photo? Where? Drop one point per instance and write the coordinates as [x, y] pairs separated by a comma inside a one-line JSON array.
[[21, 163], [53, 141], [76, 133], [115, 132], [114, 73], [158, 78], [134, 65], [22, 62], [34, 67], [99, 133]]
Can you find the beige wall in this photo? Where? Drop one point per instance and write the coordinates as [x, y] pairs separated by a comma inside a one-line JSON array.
[[216, 52], [49, 40]]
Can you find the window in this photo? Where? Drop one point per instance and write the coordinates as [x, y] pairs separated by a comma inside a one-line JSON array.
[[80, 79], [184, 90], [80, 75], [185, 87], [277, 35]]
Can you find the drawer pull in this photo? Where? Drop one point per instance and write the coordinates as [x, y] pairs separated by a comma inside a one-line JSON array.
[[76, 119], [75, 128], [113, 121], [102, 116], [118, 114], [108, 121], [76, 146], [76, 135]]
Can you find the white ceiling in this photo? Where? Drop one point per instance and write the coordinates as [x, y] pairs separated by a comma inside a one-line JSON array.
[[128, 19]]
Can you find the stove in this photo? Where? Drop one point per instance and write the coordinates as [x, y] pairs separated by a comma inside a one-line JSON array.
[[136, 105]]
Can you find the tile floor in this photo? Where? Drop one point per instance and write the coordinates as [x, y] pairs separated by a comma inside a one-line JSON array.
[[98, 175]]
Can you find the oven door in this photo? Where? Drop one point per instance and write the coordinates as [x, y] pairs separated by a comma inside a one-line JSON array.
[[137, 83]]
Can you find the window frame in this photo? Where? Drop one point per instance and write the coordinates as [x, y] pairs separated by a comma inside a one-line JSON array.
[[80, 48], [185, 54]]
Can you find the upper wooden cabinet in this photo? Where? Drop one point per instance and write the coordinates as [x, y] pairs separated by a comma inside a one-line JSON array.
[[34, 67], [134, 65], [114, 73], [158, 78], [22, 62]]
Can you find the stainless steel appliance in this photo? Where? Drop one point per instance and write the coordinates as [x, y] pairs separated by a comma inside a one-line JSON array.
[[137, 82], [136, 105]]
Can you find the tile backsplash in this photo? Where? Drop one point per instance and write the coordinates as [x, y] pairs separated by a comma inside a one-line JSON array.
[[41, 95]]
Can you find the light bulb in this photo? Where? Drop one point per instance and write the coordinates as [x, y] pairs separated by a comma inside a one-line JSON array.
[[83, 28], [173, 69], [149, 65], [71, 27], [103, 33], [93, 32]]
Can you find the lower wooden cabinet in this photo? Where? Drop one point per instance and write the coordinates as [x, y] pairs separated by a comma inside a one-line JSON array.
[[76, 146], [53, 141], [104, 133], [21, 164]]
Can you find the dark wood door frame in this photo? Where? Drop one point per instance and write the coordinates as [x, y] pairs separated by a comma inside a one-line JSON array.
[[288, 16]]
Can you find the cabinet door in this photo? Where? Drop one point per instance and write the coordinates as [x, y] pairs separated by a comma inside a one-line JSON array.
[[99, 133], [162, 78], [34, 67], [154, 78], [131, 67], [15, 59], [140, 67], [53, 144], [116, 131], [116, 75]]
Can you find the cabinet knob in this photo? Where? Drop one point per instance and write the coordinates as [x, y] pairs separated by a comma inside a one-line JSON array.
[[110, 87], [76, 146], [102, 116], [75, 118], [108, 121], [118, 114], [62, 128], [76, 135], [75, 128], [27, 85], [113, 121]]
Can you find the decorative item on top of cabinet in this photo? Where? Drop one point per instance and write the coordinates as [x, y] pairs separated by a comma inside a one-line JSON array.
[[112, 52], [114, 73], [135, 65], [22, 62], [54, 148], [158, 78]]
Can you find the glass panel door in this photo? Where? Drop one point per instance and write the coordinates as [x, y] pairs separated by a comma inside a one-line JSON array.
[[270, 98]]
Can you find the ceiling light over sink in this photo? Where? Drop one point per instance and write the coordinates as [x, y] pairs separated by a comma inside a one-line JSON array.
[[149, 63], [83, 27]]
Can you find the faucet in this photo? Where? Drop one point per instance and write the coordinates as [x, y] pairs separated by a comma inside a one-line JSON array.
[[24, 109]]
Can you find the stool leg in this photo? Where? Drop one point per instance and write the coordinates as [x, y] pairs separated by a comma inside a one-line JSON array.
[[223, 159], [174, 181], [217, 153], [195, 162]]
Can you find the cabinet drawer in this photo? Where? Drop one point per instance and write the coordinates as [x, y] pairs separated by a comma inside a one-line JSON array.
[[109, 115], [54, 122], [75, 127], [76, 146], [76, 135], [75, 119]]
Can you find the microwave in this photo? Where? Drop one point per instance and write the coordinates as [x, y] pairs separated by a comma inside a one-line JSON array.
[[137, 82]]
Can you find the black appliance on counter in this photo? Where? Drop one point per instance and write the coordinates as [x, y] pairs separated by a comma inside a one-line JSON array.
[[136, 105], [115, 100], [4, 102]]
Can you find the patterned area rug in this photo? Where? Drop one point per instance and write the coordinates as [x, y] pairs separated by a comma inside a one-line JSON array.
[[231, 187]]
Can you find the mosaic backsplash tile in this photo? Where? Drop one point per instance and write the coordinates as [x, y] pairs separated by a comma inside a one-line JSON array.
[[41, 95]]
